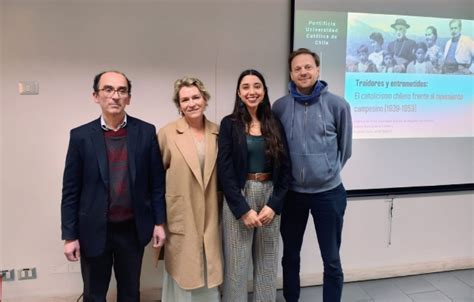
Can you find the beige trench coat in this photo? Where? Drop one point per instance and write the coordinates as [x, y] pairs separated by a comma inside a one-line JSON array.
[[192, 206]]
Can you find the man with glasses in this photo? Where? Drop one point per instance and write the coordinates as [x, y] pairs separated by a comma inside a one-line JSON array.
[[113, 193]]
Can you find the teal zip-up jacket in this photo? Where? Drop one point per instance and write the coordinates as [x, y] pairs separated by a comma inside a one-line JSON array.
[[318, 128]]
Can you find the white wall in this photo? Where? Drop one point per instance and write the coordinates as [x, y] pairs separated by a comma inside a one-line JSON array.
[[2, 26], [63, 44], [428, 233]]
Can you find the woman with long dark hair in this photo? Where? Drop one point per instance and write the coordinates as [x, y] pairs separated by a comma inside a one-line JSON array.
[[253, 170]]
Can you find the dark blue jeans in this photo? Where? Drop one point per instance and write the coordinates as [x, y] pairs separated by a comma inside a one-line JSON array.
[[327, 209]]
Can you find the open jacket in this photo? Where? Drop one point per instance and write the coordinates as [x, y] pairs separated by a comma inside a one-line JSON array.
[[192, 206], [85, 195], [232, 168]]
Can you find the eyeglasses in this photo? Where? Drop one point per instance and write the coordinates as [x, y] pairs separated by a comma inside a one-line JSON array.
[[110, 91]]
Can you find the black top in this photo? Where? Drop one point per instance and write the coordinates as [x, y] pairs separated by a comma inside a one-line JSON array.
[[232, 167]]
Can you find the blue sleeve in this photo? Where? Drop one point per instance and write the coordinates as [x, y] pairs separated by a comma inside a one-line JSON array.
[[276, 109], [344, 133], [157, 181], [71, 193]]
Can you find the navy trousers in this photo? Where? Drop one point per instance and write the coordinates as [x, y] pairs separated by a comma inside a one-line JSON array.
[[327, 209], [122, 252]]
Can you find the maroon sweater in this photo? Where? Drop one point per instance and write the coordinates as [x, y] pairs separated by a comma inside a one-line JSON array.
[[120, 199]]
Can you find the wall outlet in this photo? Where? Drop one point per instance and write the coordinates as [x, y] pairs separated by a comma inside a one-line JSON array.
[[27, 273], [7, 275], [28, 87]]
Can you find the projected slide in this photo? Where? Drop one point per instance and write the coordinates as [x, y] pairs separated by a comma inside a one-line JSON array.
[[404, 76]]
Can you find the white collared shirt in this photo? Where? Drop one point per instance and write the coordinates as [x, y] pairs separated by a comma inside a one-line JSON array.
[[104, 126]]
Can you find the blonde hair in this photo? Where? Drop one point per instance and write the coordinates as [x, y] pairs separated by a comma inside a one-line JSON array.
[[189, 82]]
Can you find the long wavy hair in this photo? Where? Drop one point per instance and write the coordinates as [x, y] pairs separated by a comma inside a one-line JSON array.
[[274, 149]]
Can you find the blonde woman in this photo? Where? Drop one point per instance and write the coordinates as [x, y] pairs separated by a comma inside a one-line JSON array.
[[193, 261]]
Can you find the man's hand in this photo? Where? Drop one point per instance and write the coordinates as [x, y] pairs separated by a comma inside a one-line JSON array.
[[159, 236], [72, 250], [266, 215], [250, 219]]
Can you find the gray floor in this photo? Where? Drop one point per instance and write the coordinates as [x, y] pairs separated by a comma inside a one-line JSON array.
[[456, 286]]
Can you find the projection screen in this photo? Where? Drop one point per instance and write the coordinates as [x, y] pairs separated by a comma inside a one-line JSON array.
[[408, 75]]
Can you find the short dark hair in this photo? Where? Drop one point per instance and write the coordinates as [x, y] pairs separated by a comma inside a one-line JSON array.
[[99, 76], [301, 51], [377, 37], [433, 30], [458, 21], [421, 45]]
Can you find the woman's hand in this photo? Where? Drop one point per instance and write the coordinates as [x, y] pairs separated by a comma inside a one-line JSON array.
[[266, 215], [250, 219]]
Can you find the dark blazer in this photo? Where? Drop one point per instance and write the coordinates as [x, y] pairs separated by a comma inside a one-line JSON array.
[[85, 192], [232, 168], [402, 50]]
